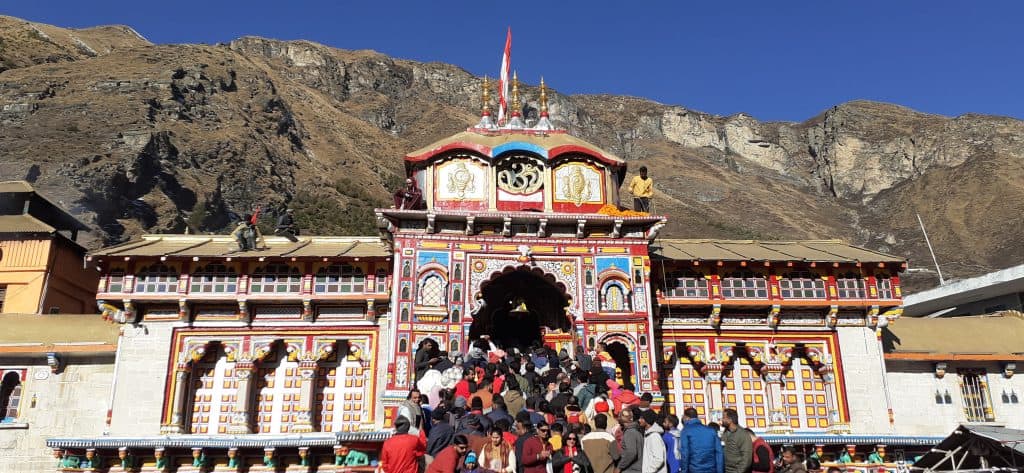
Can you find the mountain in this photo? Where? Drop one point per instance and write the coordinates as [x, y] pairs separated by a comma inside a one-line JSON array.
[[134, 137]]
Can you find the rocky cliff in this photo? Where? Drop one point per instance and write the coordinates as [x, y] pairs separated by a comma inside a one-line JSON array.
[[135, 137]]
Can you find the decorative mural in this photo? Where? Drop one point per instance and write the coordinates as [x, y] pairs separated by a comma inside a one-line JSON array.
[[578, 183], [461, 179]]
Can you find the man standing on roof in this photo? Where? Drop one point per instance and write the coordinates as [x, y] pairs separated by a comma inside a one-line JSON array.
[[642, 188]]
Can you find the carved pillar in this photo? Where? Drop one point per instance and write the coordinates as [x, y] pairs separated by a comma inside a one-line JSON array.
[[778, 421], [835, 420], [304, 417], [243, 404], [715, 399], [180, 393]]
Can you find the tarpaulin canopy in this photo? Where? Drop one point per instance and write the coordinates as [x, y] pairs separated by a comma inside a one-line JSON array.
[[972, 447]]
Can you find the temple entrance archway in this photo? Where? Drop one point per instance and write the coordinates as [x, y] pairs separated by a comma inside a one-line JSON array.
[[516, 304], [623, 352]]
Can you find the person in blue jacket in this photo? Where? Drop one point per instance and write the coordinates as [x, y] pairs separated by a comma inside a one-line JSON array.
[[671, 436], [699, 448]]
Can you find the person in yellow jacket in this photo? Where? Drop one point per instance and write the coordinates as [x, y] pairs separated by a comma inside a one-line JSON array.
[[642, 188]]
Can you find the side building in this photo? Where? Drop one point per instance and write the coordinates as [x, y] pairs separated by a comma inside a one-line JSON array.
[[36, 238], [954, 355], [56, 356]]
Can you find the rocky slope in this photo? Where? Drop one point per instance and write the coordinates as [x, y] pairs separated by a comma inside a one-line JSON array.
[[169, 138]]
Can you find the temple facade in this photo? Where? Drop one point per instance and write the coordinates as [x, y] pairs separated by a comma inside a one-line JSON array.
[[294, 356]]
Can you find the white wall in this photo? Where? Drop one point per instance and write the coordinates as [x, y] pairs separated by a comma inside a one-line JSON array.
[[71, 403], [862, 367], [913, 386], [141, 379]]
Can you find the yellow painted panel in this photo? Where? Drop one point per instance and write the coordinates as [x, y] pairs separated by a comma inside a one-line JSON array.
[[433, 244], [611, 250], [470, 246], [577, 249]]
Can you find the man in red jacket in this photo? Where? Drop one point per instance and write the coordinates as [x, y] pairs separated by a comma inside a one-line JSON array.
[[402, 452], [537, 451], [450, 459]]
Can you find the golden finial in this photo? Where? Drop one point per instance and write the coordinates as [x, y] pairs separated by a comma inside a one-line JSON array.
[[543, 97], [515, 94], [486, 96]]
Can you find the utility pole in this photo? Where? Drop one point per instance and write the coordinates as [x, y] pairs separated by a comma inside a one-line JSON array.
[[935, 260]]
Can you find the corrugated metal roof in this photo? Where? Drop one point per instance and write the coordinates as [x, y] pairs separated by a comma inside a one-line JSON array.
[[225, 246], [23, 224], [315, 439], [751, 250], [835, 439]]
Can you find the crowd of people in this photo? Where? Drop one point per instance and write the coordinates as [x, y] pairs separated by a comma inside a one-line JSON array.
[[538, 411]]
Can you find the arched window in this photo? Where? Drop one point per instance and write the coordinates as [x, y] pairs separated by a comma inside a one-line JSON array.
[[407, 269], [382, 281], [802, 285], [687, 284], [614, 296], [404, 317], [403, 345], [115, 280], [214, 392], [431, 290], [276, 278], [743, 389], [340, 279], [277, 393], [744, 285], [804, 397], [342, 394], [453, 346], [10, 397], [851, 286], [158, 278]]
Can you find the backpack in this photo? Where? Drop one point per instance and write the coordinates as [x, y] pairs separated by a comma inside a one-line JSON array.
[[771, 456]]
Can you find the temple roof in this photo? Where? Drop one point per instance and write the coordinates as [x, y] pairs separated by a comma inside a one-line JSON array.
[[170, 245], [548, 144], [996, 337], [830, 251]]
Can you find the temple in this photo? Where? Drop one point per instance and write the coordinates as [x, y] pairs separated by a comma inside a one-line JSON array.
[[291, 355]]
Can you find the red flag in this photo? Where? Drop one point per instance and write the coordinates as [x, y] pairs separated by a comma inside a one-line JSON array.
[[506, 60]]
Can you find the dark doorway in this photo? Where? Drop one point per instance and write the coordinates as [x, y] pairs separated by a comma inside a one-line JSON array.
[[517, 304], [620, 353]]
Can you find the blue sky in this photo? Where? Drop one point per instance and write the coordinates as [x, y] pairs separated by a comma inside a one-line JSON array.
[[776, 60]]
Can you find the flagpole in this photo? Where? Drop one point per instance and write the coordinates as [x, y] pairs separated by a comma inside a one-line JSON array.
[[506, 62]]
